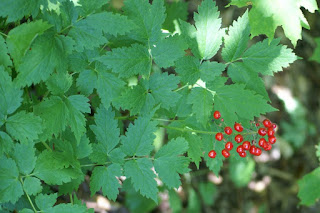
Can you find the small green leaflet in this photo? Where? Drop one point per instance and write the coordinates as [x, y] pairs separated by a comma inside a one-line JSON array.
[[265, 21], [44, 201], [21, 37], [309, 188], [88, 6], [175, 11], [70, 208], [10, 95], [16, 10], [148, 19], [32, 185], [139, 137], [202, 104], [195, 147], [4, 57], [24, 126], [142, 177], [128, 61], [59, 83], [105, 178], [164, 158], [190, 70], [24, 155], [10, 187], [6, 143], [209, 144]]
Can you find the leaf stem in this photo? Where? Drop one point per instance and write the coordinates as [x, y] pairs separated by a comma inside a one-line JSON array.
[[46, 145], [180, 88], [5, 35], [30, 201]]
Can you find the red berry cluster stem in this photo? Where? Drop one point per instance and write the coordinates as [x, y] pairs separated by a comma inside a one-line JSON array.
[[265, 130]]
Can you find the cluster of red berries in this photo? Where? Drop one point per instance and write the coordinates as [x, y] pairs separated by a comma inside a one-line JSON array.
[[268, 130]]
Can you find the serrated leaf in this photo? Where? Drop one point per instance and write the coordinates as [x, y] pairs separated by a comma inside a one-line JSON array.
[[21, 37], [86, 82], [6, 143], [128, 61], [47, 53], [70, 208], [239, 73], [16, 10], [139, 137], [10, 187], [164, 158], [24, 155], [4, 57], [235, 102], [32, 185], [190, 70], [202, 104], [24, 126], [44, 201], [149, 19], [105, 178], [59, 83], [175, 11], [308, 188], [88, 6], [208, 23], [106, 129], [211, 144], [264, 21], [168, 50], [10, 95], [267, 58], [195, 148], [73, 185], [237, 39], [142, 177], [84, 149], [52, 168]]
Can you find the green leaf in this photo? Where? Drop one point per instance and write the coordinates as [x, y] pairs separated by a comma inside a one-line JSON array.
[[168, 50], [106, 129], [32, 185], [88, 6], [86, 82], [208, 192], [16, 10], [10, 187], [190, 70], [236, 42], [175, 201], [10, 96], [24, 126], [21, 37], [175, 11], [202, 104], [105, 178], [316, 54], [308, 188], [52, 168], [164, 158], [195, 148], [84, 149], [264, 21], [70, 208], [209, 144], [241, 74], [142, 177], [235, 102], [208, 35], [44, 201], [48, 53], [59, 83], [139, 137], [24, 155], [241, 171], [6, 143], [267, 58], [149, 19], [128, 61], [4, 57], [87, 32]]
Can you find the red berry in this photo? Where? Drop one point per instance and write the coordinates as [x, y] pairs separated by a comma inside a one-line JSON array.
[[238, 138], [216, 115], [246, 145], [225, 153], [228, 146], [262, 131], [274, 126], [243, 154], [238, 127], [219, 136], [268, 147], [272, 139], [257, 124], [240, 149], [212, 154], [258, 151], [253, 149], [267, 123], [262, 141], [270, 132], [228, 130]]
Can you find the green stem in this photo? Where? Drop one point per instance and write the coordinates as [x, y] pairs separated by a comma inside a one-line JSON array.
[[176, 90], [5, 35], [188, 130], [30, 201], [46, 145], [71, 199]]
